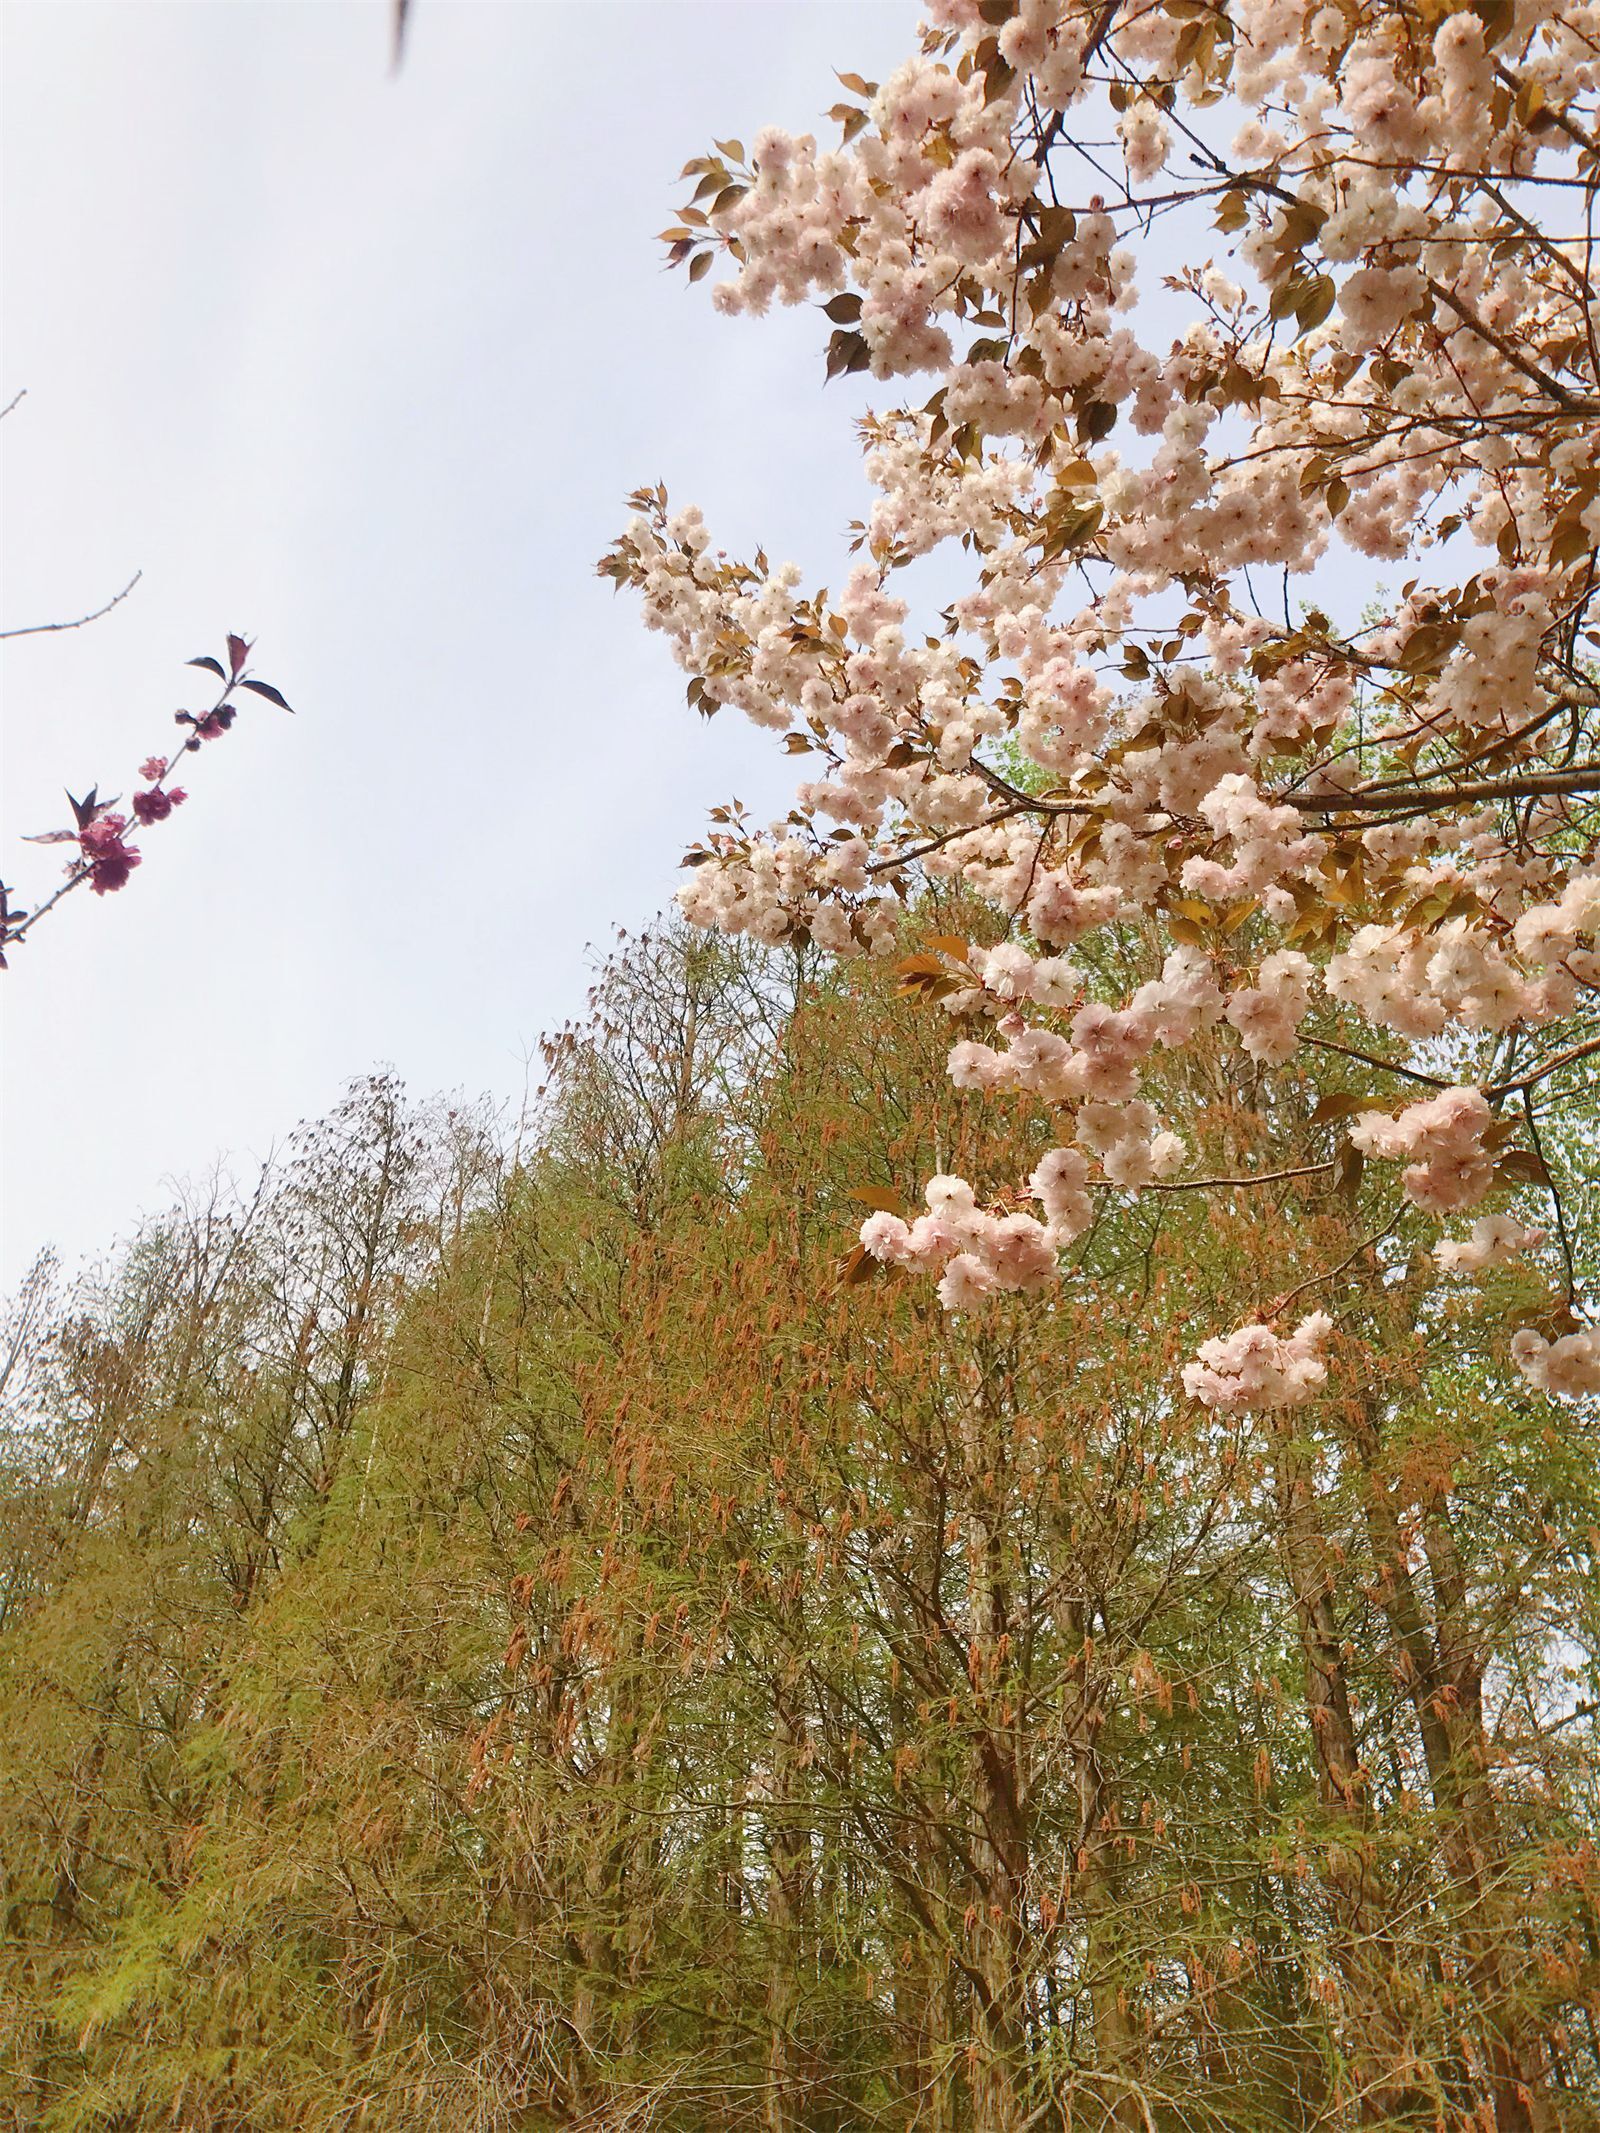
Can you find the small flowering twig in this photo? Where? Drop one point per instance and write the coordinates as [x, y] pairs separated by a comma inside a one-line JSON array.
[[104, 858]]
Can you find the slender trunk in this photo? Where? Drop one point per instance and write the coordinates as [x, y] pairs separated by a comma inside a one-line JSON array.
[[789, 1856], [1118, 2051], [999, 1831], [1462, 1792], [925, 1989], [1444, 1682], [1308, 1565]]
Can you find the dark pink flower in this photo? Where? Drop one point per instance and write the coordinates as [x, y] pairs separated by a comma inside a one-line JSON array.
[[110, 860], [113, 870], [100, 835], [151, 806]]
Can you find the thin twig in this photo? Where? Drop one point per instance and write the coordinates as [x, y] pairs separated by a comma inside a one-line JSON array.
[[1264, 1177], [1524, 1082], [1281, 1303], [1387, 1066], [39, 629], [1555, 1196]]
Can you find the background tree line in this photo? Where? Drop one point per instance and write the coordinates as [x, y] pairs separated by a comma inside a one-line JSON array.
[[495, 1634]]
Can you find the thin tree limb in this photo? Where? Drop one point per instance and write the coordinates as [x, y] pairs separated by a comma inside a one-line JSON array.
[[39, 629]]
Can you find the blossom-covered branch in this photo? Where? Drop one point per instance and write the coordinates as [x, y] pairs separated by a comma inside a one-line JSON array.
[[1331, 291]]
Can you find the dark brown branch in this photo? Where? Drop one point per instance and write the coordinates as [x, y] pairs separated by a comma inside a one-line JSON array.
[[1536, 784], [1385, 1066], [1524, 1082], [1469, 318]]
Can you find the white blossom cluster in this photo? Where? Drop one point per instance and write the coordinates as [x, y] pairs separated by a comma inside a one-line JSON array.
[[1441, 1142], [976, 1253], [1494, 1240], [1253, 1367], [1567, 1367], [1375, 364]]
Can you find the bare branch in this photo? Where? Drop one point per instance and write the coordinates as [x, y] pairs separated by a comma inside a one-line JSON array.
[[39, 629]]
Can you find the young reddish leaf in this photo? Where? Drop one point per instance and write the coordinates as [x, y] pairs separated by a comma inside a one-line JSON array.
[[273, 696], [1233, 212], [238, 651], [1521, 1167], [212, 666]]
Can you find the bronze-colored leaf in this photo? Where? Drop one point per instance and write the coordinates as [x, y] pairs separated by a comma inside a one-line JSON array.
[[857, 1266], [1343, 1103], [878, 1197], [1522, 1166]]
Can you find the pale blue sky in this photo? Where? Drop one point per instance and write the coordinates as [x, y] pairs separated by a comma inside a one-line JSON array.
[[363, 368]]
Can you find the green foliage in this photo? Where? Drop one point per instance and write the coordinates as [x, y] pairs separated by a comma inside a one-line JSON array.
[[496, 1637]]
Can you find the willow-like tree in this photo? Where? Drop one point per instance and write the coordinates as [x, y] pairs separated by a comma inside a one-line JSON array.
[[515, 1644]]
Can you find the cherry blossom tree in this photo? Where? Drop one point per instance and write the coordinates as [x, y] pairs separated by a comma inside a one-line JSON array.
[[1200, 324]]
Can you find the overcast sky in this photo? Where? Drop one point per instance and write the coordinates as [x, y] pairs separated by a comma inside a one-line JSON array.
[[363, 368]]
